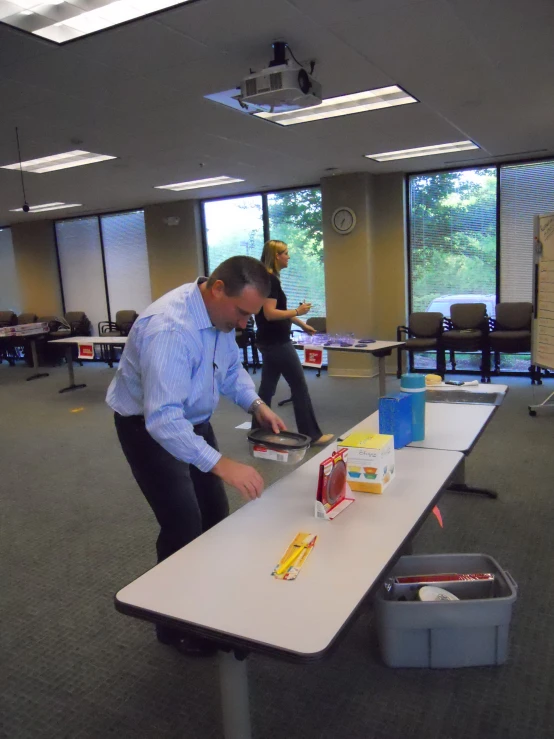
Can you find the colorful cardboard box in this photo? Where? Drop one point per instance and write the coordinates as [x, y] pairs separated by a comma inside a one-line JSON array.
[[395, 417], [370, 461]]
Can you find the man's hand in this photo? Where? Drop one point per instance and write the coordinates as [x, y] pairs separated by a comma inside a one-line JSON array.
[[244, 478], [268, 419]]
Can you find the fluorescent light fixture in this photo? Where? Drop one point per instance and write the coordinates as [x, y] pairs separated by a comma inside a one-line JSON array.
[[358, 102], [423, 151], [65, 160], [195, 184], [62, 21], [46, 206]]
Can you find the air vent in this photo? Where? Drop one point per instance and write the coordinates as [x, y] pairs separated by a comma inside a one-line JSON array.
[[251, 87], [276, 81]]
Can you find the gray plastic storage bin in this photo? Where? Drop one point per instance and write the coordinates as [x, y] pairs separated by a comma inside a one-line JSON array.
[[462, 633]]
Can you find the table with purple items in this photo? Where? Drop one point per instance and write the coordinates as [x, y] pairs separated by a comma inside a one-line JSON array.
[[348, 343], [21, 334]]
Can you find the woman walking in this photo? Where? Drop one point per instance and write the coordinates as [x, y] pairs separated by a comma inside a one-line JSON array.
[[279, 355]]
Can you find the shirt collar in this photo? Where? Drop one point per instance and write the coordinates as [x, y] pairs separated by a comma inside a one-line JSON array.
[[199, 312]]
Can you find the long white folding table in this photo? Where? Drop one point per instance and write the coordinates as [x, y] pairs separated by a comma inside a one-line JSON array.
[[72, 340], [220, 585], [379, 349], [452, 427]]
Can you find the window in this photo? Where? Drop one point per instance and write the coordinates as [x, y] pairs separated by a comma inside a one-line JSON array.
[[104, 265], [81, 267], [233, 226], [453, 243], [126, 255], [526, 190], [295, 218], [9, 285]]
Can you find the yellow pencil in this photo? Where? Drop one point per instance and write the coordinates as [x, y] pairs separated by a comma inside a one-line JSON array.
[[308, 541]]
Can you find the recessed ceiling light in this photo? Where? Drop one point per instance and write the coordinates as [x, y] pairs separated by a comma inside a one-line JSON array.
[[77, 19], [46, 206], [423, 151], [358, 102], [65, 160], [195, 184]]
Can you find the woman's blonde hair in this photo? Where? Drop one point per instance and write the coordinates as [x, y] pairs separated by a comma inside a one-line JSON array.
[[269, 255]]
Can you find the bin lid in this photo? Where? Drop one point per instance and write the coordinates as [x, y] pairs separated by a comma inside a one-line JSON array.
[[287, 440]]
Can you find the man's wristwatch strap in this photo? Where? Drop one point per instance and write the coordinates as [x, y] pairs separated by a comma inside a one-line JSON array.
[[255, 404]]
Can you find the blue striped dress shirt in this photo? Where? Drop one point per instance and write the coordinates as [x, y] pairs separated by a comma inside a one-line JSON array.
[[173, 369]]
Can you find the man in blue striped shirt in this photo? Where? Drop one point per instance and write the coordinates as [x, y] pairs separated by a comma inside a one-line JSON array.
[[181, 354]]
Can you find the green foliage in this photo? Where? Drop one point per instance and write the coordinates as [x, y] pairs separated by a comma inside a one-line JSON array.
[[453, 234]]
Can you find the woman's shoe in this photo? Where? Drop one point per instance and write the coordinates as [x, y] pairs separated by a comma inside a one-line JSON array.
[[325, 439]]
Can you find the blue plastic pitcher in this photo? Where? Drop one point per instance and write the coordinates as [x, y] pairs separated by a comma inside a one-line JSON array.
[[415, 385]]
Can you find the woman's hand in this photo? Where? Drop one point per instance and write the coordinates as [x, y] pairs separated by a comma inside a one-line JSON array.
[[309, 329], [303, 308]]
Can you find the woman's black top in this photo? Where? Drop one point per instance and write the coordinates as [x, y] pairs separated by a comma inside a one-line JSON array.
[[274, 332]]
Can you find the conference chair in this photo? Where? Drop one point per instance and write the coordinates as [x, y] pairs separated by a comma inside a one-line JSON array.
[[467, 331], [510, 333], [422, 334], [26, 318], [123, 323], [246, 339]]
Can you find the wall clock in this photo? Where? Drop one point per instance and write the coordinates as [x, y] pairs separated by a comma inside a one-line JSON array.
[[343, 220]]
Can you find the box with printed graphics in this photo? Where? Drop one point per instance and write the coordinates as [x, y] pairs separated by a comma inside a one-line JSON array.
[[370, 465]]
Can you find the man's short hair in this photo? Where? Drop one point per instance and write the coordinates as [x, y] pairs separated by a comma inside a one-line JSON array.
[[238, 272]]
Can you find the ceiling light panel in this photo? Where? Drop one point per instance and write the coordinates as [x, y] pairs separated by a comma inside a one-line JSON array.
[[358, 102], [195, 184], [65, 160], [61, 21], [423, 151], [46, 206]]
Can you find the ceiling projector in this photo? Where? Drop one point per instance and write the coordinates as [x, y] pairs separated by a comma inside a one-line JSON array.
[[283, 86]]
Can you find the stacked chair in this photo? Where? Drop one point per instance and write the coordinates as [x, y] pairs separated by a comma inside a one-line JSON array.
[[123, 323], [510, 333], [422, 334], [246, 339]]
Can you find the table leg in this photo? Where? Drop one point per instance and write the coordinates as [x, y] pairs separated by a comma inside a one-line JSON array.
[[382, 377], [35, 362], [459, 485], [233, 677], [69, 358]]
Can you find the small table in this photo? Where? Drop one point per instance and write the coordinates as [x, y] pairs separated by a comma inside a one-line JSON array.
[[220, 585], [31, 335], [70, 340], [379, 349], [452, 427]]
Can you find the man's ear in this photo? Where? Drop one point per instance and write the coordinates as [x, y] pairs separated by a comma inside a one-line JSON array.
[[218, 289]]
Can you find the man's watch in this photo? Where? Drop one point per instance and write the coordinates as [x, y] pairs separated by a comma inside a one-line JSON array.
[[255, 404]]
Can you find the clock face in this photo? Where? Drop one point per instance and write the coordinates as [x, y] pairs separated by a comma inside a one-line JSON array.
[[343, 220]]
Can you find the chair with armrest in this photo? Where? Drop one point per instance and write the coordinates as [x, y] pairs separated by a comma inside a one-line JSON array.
[[510, 333], [467, 331], [123, 323], [422, 334], [26, 318], [246, 338]]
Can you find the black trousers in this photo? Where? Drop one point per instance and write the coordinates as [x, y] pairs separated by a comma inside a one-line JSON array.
[[282, 359], [185, 501]]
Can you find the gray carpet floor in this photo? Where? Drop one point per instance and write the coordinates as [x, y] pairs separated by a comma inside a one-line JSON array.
[[74, 529]]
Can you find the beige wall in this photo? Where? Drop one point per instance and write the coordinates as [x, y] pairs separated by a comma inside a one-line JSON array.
[[364, 270], [37, 268], [174, 251]]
